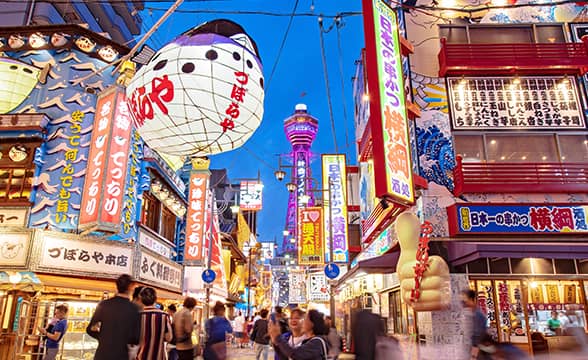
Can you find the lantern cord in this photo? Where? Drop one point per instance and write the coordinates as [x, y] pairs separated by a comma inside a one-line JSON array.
[[326, 73], [145, 37], [339, 24], [282, 44]]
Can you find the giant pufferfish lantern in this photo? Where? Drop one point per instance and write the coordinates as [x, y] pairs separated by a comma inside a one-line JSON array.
[[201, 94]]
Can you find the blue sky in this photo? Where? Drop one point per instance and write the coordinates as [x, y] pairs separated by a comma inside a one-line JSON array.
[[299, 77]]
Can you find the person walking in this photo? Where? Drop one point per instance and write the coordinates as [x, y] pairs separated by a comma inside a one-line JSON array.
[[314, 347], [217, 328], [260, 336], [115, 323], [478, 321], [54, 332], [172, 353], [183, 328], [239, 326], [281, 319], [334, 339], [155, 328], [366, 328], [296, 335]]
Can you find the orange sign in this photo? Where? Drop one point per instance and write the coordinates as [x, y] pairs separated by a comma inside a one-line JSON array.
[[196, 217], [102, 199], [311, 248]]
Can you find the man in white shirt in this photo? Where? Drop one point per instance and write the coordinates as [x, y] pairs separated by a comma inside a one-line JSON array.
[[238, 327]]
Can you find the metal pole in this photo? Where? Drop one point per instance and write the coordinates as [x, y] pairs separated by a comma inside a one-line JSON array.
[[331, 287], [30, 12], [209, 262], [249, 285]]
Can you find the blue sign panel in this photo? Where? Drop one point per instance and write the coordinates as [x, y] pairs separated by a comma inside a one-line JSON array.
[[522, 219], [208, 276], [332, 270]]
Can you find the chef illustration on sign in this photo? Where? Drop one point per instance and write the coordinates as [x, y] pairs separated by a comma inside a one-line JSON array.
[[424, 280]]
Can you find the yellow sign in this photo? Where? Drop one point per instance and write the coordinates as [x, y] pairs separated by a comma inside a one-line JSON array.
[[570, 294], [311, 248], [537, 295], [552, 294]]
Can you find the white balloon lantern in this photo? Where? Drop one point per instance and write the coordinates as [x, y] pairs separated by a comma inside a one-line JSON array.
[[201, 94]]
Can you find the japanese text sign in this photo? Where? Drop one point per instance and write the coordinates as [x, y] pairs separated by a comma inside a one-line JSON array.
[[388, 117], [503, 103], [196, 217], [85, 256], [102, 199], [318, 289], [335, 177], [155, 243], [520, 219], [160, 271], [311, 249], [13, 216], [250, 195], [296, 287]]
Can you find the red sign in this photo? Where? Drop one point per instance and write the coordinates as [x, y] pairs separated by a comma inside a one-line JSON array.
[[102, 199], [422, 260], [311, 247], [196, 217]]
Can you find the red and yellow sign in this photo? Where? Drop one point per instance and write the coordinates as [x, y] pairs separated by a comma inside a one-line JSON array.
[[196, 217], [311, 248], [102, 199]]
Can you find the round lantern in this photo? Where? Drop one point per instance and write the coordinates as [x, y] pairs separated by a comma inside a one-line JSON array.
[[201, 94]]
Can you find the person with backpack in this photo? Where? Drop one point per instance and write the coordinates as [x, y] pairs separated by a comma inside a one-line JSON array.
[[260, 336], [217, 328], [315, 347], [55, 333]]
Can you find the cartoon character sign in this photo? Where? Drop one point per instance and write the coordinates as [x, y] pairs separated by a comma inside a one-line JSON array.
[[201, 94]]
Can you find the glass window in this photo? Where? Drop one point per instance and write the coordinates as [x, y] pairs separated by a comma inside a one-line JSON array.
[[573, 148], [583, 267], [565, 266], [454, 34], [542, 266], [479, 266], [168, 224], [521, 266], [150, 217], [523, 148], [500, 35], [16, 170], [550, 34], [469, 147], [499, 266]]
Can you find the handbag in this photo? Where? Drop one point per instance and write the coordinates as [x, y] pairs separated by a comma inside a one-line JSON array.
[[220, 350]]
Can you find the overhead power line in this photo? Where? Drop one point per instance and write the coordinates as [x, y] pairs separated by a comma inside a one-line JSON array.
[[326, 73], [282, 45]]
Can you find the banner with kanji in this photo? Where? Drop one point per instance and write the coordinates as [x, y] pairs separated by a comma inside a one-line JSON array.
[[311, 248]]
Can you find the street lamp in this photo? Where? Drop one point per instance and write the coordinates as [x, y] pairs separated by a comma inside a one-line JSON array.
[[291, 187], [286, 232], [280, 174], [235, 209]]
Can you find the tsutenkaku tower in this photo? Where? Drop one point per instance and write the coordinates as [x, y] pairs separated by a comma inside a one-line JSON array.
[[300, 129]]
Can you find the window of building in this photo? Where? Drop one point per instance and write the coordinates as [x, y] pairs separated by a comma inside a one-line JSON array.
[[151, 211], [573, 148], [565, 266], [16, 170], [499, 266], [503, 33], [168, 224], [470, 147]]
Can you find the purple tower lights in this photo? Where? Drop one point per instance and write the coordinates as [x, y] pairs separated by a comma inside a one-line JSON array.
[[301, 129]]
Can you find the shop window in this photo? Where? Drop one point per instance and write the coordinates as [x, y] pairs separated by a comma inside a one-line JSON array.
[[479, 266], [151, 210], [499, 266], [550, 34], [565, 266], [469, 147], [500, 35], [168, 224], [521, 266], [523, 148], [542, 266], [511, 313], [454, 34], [573, 148], [396, 313], [16, 171], [503, 34], [583, 266]]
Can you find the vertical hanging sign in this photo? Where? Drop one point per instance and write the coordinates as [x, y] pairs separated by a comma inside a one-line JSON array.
[[196, 217], [388, 118], [102, 198], [335, 178], [311, 249]]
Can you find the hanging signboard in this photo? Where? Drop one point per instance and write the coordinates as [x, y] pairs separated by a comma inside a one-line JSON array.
[[163, 272], [102, 198], [335, 206], [318, 288], [153, 243], [388, 116], [250, 195], [13, 216], [86, 256], [517, 219], [296, 287], [515, 103], [311, 249], [14, 247], [196, 217]]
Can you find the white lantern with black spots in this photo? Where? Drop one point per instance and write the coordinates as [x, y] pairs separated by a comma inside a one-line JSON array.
[[201, 94]]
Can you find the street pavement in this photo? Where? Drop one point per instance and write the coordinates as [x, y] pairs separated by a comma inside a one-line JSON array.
[[243, 354]]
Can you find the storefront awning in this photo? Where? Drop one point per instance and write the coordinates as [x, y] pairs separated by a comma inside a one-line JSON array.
[[385, 264], [464, 252]]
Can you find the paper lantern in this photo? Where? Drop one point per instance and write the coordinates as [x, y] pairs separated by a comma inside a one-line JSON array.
[[201, 94]]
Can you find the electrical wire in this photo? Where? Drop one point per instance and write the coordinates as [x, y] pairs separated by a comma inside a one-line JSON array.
[[282, 45], [326, 75], [339, 24]]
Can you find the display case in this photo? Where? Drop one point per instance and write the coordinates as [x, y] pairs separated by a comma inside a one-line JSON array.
[[76, 343]]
